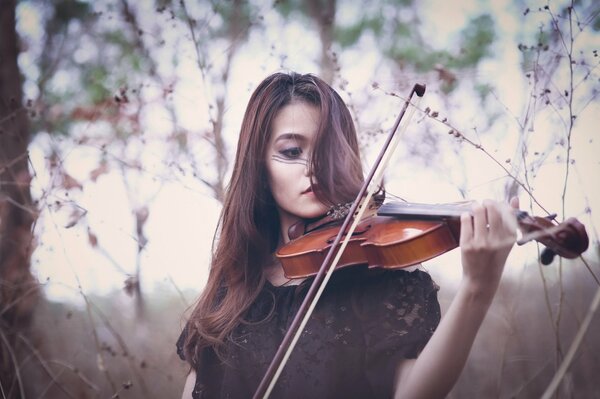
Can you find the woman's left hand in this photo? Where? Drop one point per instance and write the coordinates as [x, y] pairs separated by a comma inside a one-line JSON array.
[[486, 238]]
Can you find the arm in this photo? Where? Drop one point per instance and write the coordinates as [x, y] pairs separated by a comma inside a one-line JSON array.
[[190, 382], [483, 251]]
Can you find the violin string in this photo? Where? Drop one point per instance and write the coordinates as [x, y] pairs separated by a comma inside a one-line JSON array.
[[394, 196]]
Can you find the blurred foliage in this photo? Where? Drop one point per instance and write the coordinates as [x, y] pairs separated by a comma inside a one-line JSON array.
[[119, 53], [349, 35], [547, 46], [395, 25], [237, 19], [474, 45], [63, 12], [98, 64]]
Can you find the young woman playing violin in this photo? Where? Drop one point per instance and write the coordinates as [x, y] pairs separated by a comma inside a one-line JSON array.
[[373, 333]]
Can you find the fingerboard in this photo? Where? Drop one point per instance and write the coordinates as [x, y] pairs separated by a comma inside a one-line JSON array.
[[415, 211]]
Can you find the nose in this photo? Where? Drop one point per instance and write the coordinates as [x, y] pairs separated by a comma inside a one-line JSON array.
[[307, 169]]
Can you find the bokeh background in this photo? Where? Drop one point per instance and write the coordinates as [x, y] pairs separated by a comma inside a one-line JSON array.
[[119, 123]]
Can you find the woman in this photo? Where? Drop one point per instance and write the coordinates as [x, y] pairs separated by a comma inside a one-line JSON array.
[[373, 334]]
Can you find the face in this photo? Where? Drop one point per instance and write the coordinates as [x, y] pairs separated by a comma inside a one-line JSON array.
[[288, 156]]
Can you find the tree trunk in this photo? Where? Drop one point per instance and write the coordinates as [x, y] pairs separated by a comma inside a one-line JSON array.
[[323, 13], [18, 288]]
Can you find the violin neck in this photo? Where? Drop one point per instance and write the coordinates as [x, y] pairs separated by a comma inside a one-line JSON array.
[[412, 211], [416, 211]]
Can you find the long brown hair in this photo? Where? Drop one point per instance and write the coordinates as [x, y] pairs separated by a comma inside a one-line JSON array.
[[249, 229]]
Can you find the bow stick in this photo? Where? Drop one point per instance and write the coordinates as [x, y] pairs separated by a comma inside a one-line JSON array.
[[326, 270]]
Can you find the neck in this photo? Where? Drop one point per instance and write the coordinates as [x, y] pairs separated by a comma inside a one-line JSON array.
[[286, 220], [274, 271]]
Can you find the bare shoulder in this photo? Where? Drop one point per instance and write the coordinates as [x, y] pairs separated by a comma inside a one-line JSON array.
[[189, 385]]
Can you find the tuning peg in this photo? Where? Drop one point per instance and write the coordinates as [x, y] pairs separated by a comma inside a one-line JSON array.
[[547, 256]]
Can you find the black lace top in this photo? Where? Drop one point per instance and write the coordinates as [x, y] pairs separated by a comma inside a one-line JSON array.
[[364, 323]]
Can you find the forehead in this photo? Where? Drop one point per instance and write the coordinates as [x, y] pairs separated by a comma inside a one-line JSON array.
[[297, 120]]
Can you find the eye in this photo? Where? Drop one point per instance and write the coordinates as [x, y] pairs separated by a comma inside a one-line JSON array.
[[291, 153]]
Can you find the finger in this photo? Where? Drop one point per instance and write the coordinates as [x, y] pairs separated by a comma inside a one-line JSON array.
[[466, 228], [514, 202], [479, 221], [502, 223], [509, 218], [494, 217]]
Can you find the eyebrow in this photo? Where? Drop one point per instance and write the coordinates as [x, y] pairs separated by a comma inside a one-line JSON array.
[[290, 136]]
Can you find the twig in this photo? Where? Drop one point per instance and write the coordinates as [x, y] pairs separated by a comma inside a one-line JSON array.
[[529, 117], [185, 302], [14, 161], [569, 52], [454, 131], [24, 295], [20, 206], [100, 358], [573, 348], [124, 348], [511, 306], [516, 392], [54, 378], [77, 372], [124, 386], [12, 115], [16, 364], [587, 266]]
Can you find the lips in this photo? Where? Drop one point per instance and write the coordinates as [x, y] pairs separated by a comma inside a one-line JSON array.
[[312, 188]]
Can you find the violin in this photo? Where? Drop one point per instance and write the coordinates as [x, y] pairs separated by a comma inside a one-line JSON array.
[[403, 234]]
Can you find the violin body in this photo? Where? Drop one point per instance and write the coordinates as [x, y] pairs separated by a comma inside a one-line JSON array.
[[379, 242], [405, 234]]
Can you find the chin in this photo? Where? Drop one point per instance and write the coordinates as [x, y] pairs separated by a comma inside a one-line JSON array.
[[312, 212]]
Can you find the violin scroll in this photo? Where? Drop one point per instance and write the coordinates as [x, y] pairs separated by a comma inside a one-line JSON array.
[[567, 239]]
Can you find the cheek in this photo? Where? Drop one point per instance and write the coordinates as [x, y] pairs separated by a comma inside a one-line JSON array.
[[275, 182], [285, 181], [282, 177]]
